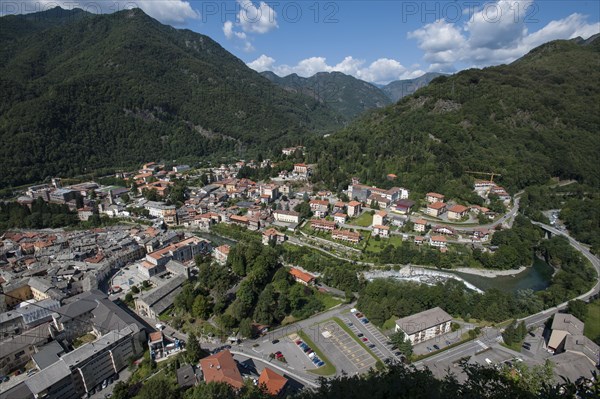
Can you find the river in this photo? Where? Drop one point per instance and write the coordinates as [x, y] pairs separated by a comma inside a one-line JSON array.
[[536, 277]]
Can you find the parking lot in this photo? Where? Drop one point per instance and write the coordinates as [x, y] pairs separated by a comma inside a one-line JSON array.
[[357, 356], [441, 341], [382, 349], [294, 356]]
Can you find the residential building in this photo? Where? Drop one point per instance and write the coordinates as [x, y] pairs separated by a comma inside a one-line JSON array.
[[323, 225], [85, 213], [17, 350], [161, 210], [457, 212], [444, 230], [302, 277], [320, 208], [434, 197], [354, 208], [271, 191], [380, 218], [381, 231], [419, 240], [62, 195], [221, 367], [564, 324], [340, 218], [272, 235], [273, 383], [239, 220], [186, 377], [286, 216], [346, 235], [438, 241], [83, 370], [424, 325], [301, 169], [291, 150], [379, 200], [436, 209], [221, 253], [420, 225], [403, 206]]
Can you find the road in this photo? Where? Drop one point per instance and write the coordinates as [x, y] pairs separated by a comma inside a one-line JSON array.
[[491, 335]]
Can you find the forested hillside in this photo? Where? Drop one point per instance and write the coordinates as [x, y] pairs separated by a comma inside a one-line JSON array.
[[401, 88], [345, 94], [83, 91], [531, 120]]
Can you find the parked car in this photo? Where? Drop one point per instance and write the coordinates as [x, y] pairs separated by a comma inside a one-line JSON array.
[[365, 339], [429, 348], [4, 378], [298, 342], [365, 320], [371, 345], [278, 353], [360, 335], [275, 341], [350, 324], [437, 348], [321, 363], [359, 315]]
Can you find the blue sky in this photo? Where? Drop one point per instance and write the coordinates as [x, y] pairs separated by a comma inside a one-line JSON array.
[[377, 41]]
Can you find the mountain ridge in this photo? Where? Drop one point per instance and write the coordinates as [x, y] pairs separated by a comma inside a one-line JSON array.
[[87, 91], [344, 93]]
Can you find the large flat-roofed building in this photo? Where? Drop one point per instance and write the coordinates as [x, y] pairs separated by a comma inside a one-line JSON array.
[[424, 325], [153, 303], [182, 251], [78, 373]]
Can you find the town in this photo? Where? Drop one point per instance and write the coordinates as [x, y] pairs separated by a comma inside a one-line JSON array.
[[85, 308]]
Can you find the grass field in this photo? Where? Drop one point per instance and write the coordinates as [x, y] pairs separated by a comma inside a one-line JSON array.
[[377, 246], [364, 220], [328, 368], [592, 322], [327, 300]]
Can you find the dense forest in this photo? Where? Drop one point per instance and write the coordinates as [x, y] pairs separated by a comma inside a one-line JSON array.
[[528, 121], [81, 92]]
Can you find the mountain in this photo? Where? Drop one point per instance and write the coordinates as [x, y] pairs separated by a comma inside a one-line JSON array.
[[345, 94], [529, 121], [401, 88], [82, 92]]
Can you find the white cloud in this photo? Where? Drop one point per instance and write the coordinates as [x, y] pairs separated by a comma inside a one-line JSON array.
[[175, 12], [381, 71], [495, 34], [262, 63], [230, 33], [259, 19], [251, 19]]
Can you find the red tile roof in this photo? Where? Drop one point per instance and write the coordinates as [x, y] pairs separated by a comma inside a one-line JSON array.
[[273, 382], [221, 367], [300, 275], [458, 209], [437, 205]]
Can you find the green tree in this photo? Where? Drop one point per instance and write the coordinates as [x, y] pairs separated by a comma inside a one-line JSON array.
[[404, 345], [202, 307], [193, 351], [578, 308], [158, 387]]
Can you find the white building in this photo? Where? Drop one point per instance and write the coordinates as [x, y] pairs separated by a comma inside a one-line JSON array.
[[425, 325], [286, 216]]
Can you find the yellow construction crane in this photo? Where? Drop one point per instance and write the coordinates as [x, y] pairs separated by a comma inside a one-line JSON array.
[[485, 173]]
